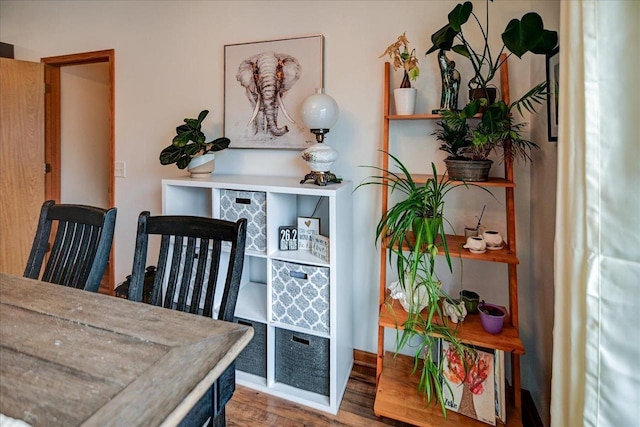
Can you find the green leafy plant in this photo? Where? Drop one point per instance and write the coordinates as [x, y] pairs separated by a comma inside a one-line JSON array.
[[519, 37], [495, 131], [404, 223], [403, 58], [190, 142], [415, 235], [454, 132]]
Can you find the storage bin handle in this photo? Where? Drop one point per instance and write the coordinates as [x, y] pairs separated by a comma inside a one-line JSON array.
[[242, 322], [243, 201], [298, 275], [299, 340]]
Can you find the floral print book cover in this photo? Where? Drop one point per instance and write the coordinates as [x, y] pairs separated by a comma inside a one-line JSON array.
[[471, 393], [265, 84]]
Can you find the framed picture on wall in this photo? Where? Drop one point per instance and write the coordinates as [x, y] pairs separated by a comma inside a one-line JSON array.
[[553, 85], [265, 84]]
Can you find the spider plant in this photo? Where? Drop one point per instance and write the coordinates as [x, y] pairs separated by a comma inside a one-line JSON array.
[[414, 232]]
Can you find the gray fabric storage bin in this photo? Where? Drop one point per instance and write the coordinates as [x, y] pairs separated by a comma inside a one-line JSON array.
[[300, 295], [252, 205], [302, 361], [253, 358]]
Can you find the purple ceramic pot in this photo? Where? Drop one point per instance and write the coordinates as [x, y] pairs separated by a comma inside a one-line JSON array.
[[491, 317]]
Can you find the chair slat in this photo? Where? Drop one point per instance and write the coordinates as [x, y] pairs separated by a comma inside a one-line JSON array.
[[174, 270], [186, 268], [213, 278], [53, 271], [73, 256], [203, 258], [86, 254], [156, 294]]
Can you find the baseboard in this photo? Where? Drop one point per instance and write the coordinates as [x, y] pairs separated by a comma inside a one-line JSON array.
[[364, 368], [364, 358]]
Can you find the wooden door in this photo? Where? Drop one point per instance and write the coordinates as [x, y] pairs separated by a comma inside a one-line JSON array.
[[53, 113], [21, 159]]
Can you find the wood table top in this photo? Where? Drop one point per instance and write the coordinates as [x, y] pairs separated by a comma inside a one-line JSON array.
[[70, 357]]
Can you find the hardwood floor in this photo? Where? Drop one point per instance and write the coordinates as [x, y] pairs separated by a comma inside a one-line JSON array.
[[256, 409], [253, 408]]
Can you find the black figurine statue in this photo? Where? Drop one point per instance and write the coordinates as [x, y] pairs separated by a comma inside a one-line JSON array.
[[450, 83]]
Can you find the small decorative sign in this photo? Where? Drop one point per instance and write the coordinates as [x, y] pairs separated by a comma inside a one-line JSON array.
[[320, 247], [307, 227], [288, 238]]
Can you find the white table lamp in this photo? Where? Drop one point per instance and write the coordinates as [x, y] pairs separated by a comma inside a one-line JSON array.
[[319, 114]]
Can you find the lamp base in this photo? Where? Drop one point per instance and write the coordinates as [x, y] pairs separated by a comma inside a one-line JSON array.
[[321, 178]]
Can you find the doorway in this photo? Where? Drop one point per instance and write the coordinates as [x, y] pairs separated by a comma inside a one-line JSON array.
[[75, 75]]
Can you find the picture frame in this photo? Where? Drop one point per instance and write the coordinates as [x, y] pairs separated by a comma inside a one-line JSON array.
[[553, 91], [307, 227], [253, 122], [320, 247]]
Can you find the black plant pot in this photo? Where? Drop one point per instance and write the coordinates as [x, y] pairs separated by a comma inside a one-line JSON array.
[[490, 93], [468, 170]]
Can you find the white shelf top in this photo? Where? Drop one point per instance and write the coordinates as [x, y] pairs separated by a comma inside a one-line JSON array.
[[280, 184]]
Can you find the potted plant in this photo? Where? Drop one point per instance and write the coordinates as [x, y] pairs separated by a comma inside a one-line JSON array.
[[491, 317], [519, 37], [189, 149], [465, 161], [414, 229], [495, 132], [498, 130], [402, 57]]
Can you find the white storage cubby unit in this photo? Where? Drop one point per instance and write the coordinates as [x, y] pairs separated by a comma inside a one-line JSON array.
[[304, 301]]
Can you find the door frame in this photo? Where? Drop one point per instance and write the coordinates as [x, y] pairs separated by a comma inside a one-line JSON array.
[[52, 142]]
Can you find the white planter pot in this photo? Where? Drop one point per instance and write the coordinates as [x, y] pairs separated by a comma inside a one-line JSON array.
[[405, 99], [200, 167]]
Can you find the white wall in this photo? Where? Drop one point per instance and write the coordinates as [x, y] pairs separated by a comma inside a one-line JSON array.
[[538, 313], [169, 60], [84, 134]]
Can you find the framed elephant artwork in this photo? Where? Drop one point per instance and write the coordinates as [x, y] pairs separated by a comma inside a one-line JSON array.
[[265, 84]]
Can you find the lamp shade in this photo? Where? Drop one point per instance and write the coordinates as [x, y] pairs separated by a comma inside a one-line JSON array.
[[319, 111]]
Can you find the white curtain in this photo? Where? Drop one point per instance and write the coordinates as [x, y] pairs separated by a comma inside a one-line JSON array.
[[596, 337]]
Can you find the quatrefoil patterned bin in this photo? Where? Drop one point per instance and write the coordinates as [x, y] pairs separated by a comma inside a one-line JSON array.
[[300, 295], [252, 205]]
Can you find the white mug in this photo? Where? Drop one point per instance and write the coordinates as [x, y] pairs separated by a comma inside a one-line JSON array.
[[475, 244], [492, 238]]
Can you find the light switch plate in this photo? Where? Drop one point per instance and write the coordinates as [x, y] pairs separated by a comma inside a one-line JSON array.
[[120, 169]]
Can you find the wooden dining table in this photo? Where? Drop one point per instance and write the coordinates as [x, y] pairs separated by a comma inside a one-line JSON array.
[[69, 357]]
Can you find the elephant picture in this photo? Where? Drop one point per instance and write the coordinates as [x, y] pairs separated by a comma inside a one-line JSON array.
[[265, 86], [267, 77]]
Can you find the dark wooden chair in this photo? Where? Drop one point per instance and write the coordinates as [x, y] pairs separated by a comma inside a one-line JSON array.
[[190, 268], [81, 246]]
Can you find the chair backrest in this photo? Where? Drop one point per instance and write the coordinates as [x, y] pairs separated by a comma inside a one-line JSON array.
[[80, 249], [190, 262]]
